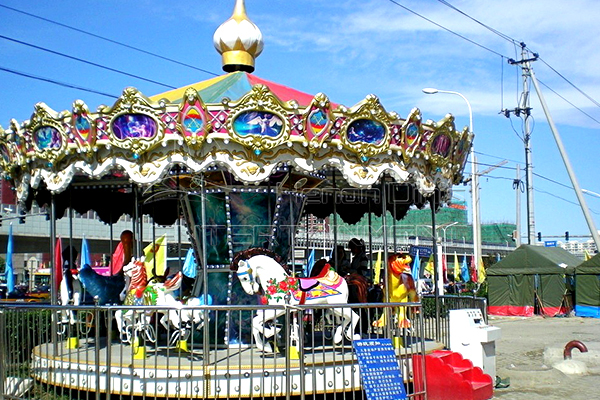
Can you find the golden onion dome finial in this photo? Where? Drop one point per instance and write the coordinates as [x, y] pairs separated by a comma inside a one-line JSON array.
[[238, 40]]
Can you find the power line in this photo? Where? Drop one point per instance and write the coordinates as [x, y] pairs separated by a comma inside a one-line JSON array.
[[85, 61], [553, 181], [493, 156], [562, 198], [63, 84], [108, 40], [573, 105], [495, 31], [570, 83], [494, 165], [447, 29]]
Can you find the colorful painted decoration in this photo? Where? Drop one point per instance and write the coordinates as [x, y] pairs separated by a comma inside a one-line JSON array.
[[412, 133], [367, 131], [83, 127], [47, 137], [127, 126], [5, 153], [193, 121], [317, 122], [441, 145], [257, 123]]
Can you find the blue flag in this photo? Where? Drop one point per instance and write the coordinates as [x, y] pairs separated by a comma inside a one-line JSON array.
[[189, 265], [464, 269], [10, 275], [86, 258], [310, 263], [416, 267]]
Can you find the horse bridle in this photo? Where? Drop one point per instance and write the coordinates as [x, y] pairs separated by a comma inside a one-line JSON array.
[[252, 280]]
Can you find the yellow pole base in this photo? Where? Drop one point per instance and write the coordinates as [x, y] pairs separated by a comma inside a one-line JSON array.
[[398, 342], [72, 343], [293, 353], [182, 345], [139, 352]]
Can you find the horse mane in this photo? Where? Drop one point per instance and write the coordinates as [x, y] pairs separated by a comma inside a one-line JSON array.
[[360, 283], [255, 251], [138, 275]]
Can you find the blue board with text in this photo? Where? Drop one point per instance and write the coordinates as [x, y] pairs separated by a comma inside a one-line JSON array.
[[379, 369]]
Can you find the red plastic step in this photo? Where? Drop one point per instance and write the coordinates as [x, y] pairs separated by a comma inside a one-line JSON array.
[[450, 377]]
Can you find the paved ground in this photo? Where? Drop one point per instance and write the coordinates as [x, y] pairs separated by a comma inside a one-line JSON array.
[[530, 347]]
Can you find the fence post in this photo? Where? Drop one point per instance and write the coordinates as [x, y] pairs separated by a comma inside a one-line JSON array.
[[3, 345]]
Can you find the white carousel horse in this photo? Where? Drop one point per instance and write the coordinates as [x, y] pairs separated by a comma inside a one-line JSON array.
[[261, 271], [181, 318], [71, 292], [139, 291]]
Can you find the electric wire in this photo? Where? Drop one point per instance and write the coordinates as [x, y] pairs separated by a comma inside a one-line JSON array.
[[495, 31], [55, 82], [572, 105], [109, 40], [118, 71], [497, 157], [563, 199], [447, 29], [570, 83]]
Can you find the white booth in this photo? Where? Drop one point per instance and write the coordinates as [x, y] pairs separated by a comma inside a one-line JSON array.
[[474, 339]]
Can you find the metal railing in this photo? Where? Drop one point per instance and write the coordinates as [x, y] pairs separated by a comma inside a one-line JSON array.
[[82, 352]]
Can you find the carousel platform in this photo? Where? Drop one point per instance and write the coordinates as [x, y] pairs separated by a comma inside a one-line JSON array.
[[224, 373]]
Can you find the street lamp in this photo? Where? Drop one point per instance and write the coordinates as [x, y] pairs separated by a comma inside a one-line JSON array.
[[474, 179]]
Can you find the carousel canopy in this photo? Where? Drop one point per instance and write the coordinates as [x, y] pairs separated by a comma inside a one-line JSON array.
[[237, 123]]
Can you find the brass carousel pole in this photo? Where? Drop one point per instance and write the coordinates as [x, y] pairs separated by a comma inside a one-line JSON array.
[[435, 267]]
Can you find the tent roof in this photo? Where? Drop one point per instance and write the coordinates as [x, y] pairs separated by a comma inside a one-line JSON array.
[[528, 260], [591, 266]]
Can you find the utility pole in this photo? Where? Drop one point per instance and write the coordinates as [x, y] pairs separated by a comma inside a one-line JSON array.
[[517, 186], [525, 109]]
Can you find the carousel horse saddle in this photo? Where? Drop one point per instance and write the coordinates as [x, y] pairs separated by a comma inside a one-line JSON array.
[[327, 277]]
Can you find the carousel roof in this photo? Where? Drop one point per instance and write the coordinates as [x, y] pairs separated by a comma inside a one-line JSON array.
[[237, 123]]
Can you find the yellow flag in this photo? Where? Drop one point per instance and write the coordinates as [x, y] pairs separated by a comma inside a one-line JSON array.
[[429, 265], [156, 257], [587, 255], [480, 271], [377, 267], [456, 268]]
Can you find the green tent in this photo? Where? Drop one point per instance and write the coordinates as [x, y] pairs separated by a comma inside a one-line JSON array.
[[587, 288], [532, 279]]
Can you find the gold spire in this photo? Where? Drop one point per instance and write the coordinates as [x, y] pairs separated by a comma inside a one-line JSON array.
[[238, 40]]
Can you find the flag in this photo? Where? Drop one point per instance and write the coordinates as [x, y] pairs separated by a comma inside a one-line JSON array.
[[430, 266], [587, 255], [10, 274], [377, 268], [444, 268], [189, 265], [480, 271], [155, 257], [118, 260], [456, 268], [464, 270], [473, 270], [416, 267], [86, 258], [310, 263], [58, 262]]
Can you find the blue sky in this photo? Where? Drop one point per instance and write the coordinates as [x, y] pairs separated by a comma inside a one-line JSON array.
[[348, 49]]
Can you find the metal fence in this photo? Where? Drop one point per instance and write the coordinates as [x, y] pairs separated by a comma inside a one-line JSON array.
[[441, 331], [88, 352]]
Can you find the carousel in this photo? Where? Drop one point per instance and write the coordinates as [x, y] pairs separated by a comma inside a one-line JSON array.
[[243, 161]]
